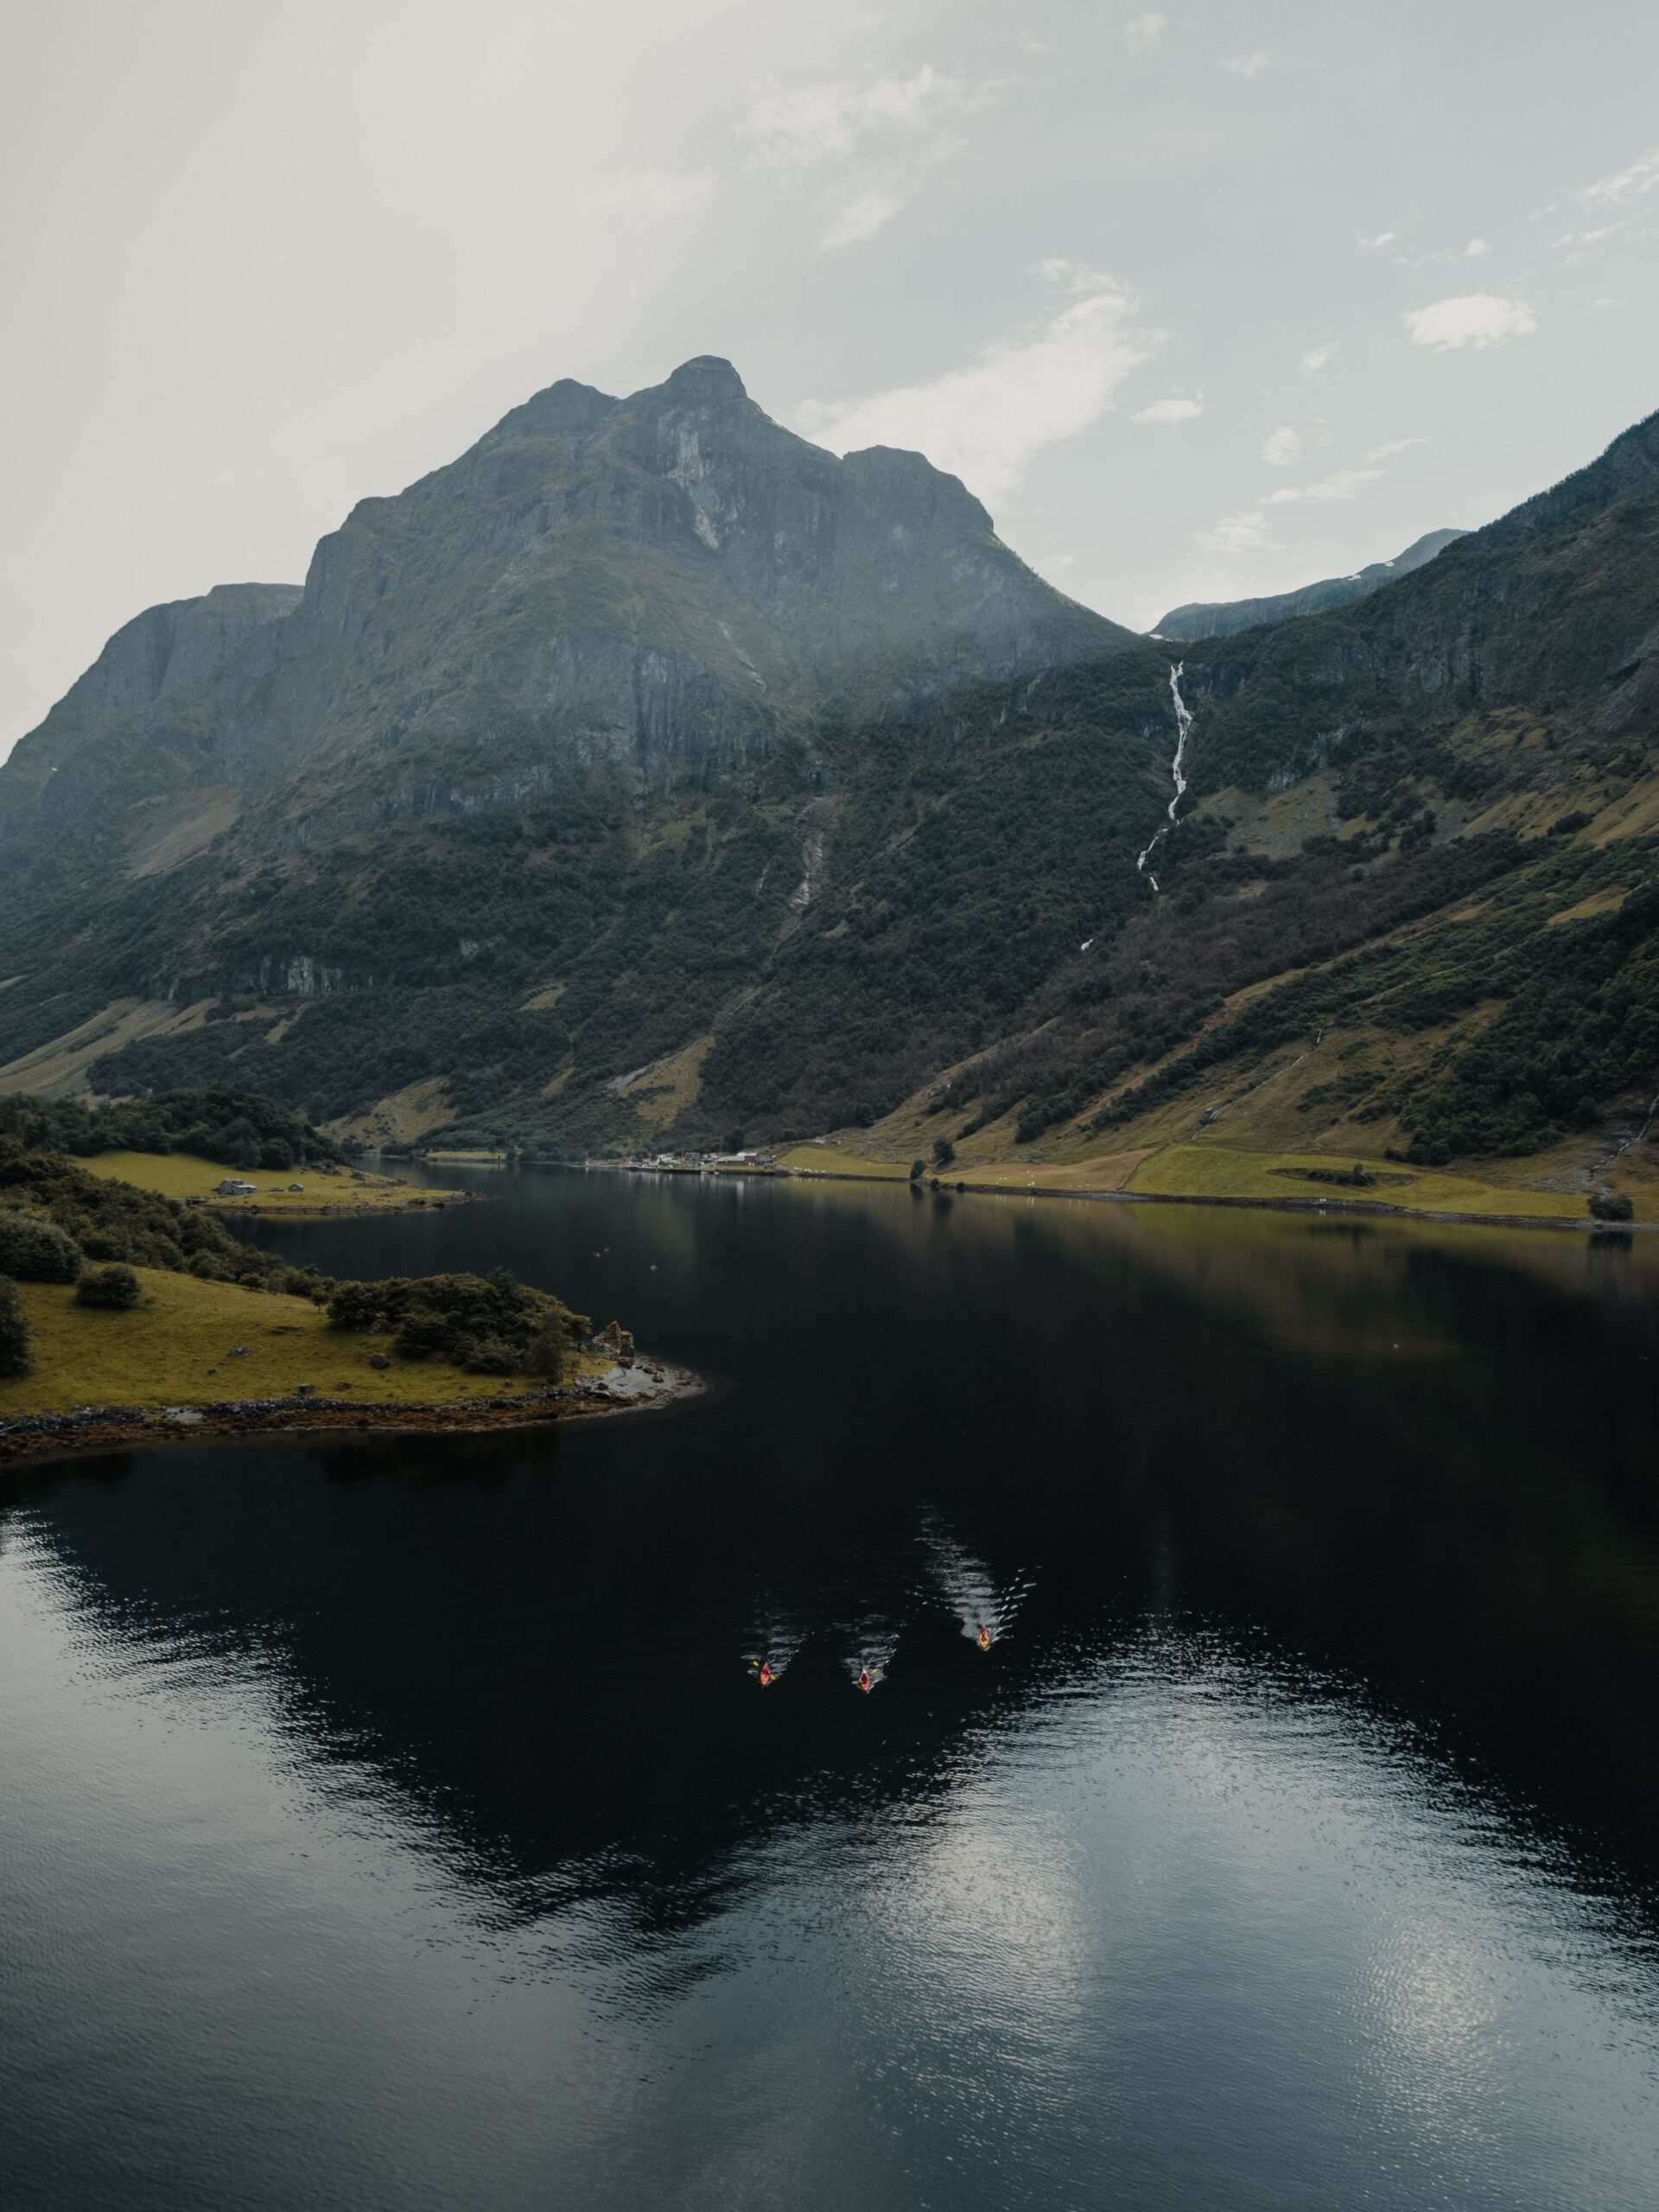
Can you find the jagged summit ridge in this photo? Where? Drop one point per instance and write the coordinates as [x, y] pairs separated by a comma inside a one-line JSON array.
[[671, 582]]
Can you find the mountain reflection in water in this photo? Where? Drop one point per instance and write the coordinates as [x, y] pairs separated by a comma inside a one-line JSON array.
[[1256, 1811]]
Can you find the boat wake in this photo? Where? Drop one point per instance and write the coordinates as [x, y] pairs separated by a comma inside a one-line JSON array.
[[985, 1608]]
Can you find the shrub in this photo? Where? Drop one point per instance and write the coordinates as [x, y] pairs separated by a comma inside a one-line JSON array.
[[918, 1169], [450, 1316], [116, 1287], [34, 1250], [944, 1152], [423, 1335], [488, 1356], [1612, 1205], [548, 1351], [14, 1332]]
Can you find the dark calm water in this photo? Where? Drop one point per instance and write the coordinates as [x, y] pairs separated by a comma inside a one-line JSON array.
[[397, 1824]]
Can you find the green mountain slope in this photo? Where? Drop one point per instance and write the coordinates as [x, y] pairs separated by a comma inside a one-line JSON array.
[[649, 770], [1417, 879]]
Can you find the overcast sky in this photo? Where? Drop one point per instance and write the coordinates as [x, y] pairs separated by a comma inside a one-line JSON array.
[[1201, 300]]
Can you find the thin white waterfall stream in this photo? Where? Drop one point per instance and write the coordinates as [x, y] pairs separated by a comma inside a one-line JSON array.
[[1177, 767], [1177, 774]]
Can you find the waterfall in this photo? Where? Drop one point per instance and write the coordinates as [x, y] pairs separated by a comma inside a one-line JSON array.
[[1177, 767]]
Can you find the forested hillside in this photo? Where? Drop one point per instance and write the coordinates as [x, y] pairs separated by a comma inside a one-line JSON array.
[[649, 773]]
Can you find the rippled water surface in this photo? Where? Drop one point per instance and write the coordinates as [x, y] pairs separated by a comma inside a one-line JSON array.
[[1253, 1809]]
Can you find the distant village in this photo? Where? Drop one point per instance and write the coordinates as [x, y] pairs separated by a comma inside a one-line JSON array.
[[702, 1163]]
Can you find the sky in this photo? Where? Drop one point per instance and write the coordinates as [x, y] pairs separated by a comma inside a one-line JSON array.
[[1203, 301]]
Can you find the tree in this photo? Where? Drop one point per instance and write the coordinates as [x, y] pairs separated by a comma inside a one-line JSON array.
[[33, 1249], [115, 1286], [944, 1152], [424, 1335], [13, 1330], [1612, 1205], [918, 1169], [548, 1352]]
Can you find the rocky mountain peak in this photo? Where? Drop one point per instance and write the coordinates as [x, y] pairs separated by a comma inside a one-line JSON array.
[[704, 381], [667, 585]]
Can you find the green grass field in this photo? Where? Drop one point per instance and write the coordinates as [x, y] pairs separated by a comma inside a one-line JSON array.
[[183, 1175], [1212, 1172], [173, 1349], [829, 1160]]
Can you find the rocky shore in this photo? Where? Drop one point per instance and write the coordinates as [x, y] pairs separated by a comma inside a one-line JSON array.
[[641, 1384]]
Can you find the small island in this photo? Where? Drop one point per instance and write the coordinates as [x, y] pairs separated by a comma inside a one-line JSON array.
[[129, 1314]]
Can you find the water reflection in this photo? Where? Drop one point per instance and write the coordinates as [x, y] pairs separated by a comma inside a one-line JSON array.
[[1256, 1811]]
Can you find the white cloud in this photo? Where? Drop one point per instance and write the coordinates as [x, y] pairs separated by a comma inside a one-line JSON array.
[[1341, 485], [1247, 65], [1375, 244], [1142, 31], [886, 135], [1573, 244], [988, 421], [1168, 413], [1477, 249], [1609, 300], [1283, 449], [1253, 532], [1642, 175], [1315, 359], [1238, 534], [1393, 446], [1479, 319]]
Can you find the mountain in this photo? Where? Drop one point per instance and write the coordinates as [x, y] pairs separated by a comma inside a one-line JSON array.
[[1225, 617], [670, 583], [1414, 904], [562, 744], [649, 770]]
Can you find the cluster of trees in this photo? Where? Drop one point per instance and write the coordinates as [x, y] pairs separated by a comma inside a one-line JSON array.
[[49, 1207], [60, 1224], [973, 844], [236, 1127], [444, 928], [1580, 1028], [489, 1324]]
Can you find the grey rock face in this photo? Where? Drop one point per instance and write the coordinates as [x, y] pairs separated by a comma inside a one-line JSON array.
[[157, 672], [666, 585]]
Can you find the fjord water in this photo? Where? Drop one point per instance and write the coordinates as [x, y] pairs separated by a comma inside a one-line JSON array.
[[400, 1823]]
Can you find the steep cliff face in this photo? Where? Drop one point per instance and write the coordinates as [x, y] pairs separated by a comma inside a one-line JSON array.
[[668, 586], [1553, 609], [144, 707]]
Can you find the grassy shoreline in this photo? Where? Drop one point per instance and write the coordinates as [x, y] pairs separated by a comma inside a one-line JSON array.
[[1208, 1175], [209, 1358], [351, 1191]]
